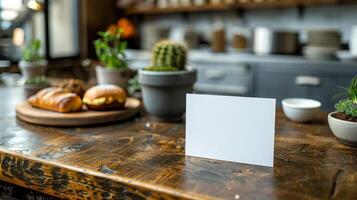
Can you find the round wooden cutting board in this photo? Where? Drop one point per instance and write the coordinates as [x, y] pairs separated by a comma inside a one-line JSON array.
[[26, 112]]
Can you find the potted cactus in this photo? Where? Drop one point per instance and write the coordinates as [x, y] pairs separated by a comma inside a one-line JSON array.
[[343, 122], [166, 82], [110, 50], [32, 65]]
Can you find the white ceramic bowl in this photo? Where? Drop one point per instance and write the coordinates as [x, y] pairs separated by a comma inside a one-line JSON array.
[[300, 109], [345, 131]]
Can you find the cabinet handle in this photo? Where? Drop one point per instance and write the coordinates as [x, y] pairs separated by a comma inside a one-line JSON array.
[[214, 74], [307, 81]]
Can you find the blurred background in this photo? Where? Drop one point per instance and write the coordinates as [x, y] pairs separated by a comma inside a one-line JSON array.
[[262, 48]]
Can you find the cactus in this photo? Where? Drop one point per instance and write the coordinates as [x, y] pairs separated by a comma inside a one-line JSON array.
[[168, 56]]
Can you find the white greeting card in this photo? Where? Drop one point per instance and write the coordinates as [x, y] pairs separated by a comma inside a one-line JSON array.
[[237, 129]]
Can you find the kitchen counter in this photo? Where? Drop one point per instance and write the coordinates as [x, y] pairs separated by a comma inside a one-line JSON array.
[[142, 159], [268, 76], [233, 57]]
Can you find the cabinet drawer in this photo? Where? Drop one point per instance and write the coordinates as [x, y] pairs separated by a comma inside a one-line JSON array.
[[293, 82], [222, 78], [222, 74]]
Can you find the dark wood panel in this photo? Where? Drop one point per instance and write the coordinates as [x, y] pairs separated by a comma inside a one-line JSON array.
[[94, 16], [144, 159], [14, 192]]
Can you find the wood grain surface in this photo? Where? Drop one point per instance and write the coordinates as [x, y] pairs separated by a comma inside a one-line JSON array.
[[144, 159], [26, 112]]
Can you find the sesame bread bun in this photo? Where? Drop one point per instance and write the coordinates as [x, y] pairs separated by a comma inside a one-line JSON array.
[[105, 97]]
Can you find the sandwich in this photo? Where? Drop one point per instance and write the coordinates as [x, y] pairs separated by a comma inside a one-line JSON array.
[[105, 97]]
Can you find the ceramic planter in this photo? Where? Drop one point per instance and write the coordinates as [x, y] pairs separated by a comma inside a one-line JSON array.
[[164, 93], [345, 131], [30, 89], [33, 69], [119, 77]]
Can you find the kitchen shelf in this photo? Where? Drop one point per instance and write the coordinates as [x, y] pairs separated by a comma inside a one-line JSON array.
[[185, 9], [244, 4]]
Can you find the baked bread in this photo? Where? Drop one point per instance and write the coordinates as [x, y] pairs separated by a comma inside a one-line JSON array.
[[56, 99], [74, 85], [105, 97]]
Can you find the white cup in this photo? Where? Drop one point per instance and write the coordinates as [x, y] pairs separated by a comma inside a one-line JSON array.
[[263, 41], [353, 41]]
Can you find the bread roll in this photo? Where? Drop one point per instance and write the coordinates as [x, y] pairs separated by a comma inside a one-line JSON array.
[[105, 97], [56, 99], [74, 85]]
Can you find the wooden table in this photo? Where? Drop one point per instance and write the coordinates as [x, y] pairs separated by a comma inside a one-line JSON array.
[[145, 159]]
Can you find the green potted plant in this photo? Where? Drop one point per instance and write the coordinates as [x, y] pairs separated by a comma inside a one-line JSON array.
[[110, 51], [166, 83], [32, 64], [343, 122]]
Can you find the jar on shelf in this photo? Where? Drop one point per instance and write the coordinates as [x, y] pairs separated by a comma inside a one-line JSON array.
[[240, 36], [185, 3], [199, 2], [218, 36]]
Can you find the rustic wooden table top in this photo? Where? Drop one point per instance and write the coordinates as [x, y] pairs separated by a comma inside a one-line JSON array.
[[142, 159]]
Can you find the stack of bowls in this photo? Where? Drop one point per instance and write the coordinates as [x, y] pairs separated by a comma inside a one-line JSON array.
[[322, 44]]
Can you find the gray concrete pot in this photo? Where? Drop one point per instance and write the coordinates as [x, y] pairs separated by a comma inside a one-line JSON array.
[[33, 69], [119, 77], [345, 131], [164, 93], [30, 90]]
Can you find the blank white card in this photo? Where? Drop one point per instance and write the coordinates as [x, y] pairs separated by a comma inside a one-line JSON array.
[[237, 129]]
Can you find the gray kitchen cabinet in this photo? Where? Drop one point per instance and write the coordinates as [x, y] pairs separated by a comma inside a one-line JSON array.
[[222, 78], [287, 81], [271, 76]]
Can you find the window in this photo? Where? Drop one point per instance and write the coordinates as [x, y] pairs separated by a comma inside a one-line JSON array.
[[63, 28]]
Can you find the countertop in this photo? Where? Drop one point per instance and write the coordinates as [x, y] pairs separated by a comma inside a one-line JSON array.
[[144, 159], [233, 57]]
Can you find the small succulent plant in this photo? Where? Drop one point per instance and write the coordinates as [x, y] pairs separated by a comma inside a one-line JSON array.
[[134, 85], [348, 105], [38, 80], [110, 49], [32, 51], [168, 56]]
